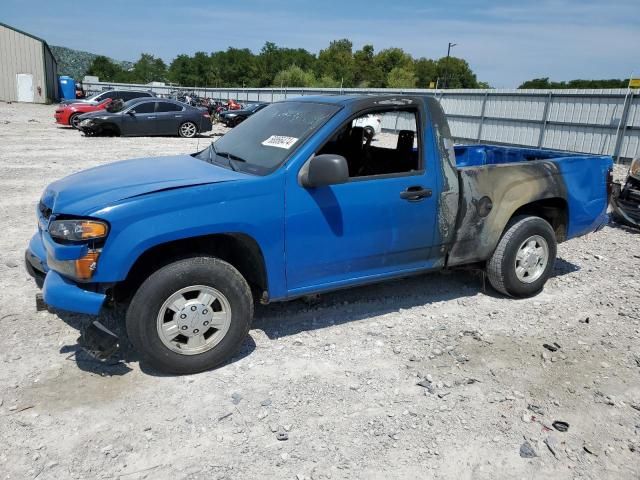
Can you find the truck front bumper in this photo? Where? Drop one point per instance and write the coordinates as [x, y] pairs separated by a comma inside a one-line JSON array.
[[57, 290]]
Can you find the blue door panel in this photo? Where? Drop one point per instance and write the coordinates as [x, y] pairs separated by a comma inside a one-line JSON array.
[[356, 229]]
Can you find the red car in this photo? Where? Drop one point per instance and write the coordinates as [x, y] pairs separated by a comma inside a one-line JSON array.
[[68, 114]]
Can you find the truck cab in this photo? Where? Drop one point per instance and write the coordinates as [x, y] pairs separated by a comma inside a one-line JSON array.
[[300, 200]]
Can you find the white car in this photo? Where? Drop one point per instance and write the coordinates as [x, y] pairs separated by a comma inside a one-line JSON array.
[[371, 123]]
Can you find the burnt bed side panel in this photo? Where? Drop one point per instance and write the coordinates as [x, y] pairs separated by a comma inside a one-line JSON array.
[[489, 197]]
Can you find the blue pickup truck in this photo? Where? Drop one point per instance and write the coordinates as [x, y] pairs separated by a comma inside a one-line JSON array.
[[298, 200]]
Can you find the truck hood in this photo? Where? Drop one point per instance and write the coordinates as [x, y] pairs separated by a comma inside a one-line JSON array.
[[92, 189]]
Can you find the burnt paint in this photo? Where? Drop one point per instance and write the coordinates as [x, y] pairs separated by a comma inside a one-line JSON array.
[[510, 186]]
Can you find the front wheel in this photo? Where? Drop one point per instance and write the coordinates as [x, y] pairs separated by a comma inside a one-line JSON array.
[[523, 260], [191, 315], [74, 120], [188, 130]]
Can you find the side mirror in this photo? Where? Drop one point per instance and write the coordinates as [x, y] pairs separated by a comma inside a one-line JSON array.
[[132, 113], [324, 170]]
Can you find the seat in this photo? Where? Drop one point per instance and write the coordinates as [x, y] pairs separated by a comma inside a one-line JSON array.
[[354, 151], [406, 156]]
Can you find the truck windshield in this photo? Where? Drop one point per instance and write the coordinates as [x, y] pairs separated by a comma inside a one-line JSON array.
[[263, 142]]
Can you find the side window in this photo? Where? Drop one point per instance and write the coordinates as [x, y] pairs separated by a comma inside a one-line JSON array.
[[168, 107], [378, 143], [126, 96], [115, 94], [147, 107]]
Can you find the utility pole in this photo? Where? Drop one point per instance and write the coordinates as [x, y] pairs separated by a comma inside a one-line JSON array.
[[446, 65]]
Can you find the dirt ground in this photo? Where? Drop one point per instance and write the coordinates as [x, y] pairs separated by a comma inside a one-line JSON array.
[[339, 378]]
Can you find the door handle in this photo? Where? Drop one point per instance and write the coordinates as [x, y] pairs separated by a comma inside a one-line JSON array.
[[415, 193], [151, 117]]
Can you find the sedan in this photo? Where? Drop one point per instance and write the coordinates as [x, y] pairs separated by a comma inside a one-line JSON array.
[[70, 114], [233, 118], [148, 116], [124, 95]]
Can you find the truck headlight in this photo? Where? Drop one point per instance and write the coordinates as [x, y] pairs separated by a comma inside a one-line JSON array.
[[634, 170], [78, 230]]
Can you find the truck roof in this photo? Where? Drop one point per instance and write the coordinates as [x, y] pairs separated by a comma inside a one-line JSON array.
[[365, 100]]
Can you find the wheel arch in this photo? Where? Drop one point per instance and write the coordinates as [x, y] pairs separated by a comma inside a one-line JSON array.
[[554, 210], [238, 249]]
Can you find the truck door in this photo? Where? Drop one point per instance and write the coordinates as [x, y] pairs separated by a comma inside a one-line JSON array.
[[379, 223]]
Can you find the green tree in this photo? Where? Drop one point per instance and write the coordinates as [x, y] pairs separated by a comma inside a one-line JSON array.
[[544, 83], [401, 77], [391, 58], [366, 72], [537, 83], [104, 69], [180, 70], [326, 82], [455, 72], [426, 72], [336, 62], [149, 69], [273, 59], [293, 76]]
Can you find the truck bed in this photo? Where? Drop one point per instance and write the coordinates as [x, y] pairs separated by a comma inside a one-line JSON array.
[[477, 155], [512, 180]]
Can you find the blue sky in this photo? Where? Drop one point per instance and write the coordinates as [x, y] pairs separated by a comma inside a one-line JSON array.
[[505, 42]]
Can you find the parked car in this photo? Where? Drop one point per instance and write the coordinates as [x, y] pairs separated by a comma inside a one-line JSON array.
[[148, 116], [372, 125], [124, 95], [231, 118], [69, 115], [298, 202], [625, 200]]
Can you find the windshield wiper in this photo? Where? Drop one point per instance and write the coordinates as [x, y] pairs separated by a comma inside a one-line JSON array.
[[229, 157]]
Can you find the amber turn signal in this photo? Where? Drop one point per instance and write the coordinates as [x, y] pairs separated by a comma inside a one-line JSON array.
[[86, 265]]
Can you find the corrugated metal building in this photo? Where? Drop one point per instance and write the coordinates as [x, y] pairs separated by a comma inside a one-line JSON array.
[[28, 69]]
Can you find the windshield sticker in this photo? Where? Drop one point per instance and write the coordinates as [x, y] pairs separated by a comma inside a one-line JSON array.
[[280, 141]]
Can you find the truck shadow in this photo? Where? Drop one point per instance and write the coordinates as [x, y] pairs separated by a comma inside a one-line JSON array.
[[117, 364], [361, 303], [290, 318]]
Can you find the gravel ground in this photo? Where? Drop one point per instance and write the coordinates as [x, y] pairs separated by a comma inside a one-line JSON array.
[[337, 378]]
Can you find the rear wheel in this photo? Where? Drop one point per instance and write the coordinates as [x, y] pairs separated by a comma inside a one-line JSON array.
[[523, 260], [188, 130], [74, 120], [191, 315]]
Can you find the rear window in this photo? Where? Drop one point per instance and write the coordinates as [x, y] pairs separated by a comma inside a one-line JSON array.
[[168, 107]]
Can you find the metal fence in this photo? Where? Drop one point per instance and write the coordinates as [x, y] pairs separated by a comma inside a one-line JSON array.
[[588, 121]]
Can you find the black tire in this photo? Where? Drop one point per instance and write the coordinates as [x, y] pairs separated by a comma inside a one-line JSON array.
[[501, 267], [369, 133], [143, 311], [74, 121], [188, 130]]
